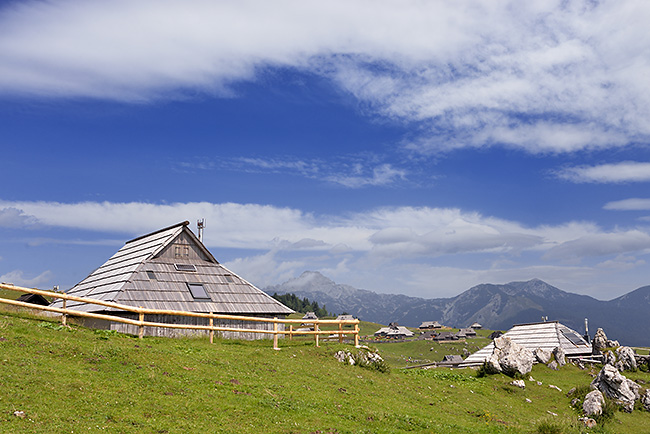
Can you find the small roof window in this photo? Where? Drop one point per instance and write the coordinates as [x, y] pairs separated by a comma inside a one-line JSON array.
[[151, 275], [229, 278], [198, 291], [185, 267]]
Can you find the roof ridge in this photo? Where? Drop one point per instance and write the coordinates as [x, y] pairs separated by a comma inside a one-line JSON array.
[[185, 223]]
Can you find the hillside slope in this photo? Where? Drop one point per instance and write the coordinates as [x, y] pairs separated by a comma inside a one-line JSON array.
[[80, 380]]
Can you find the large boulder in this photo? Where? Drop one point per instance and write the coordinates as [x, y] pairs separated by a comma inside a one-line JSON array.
[[542, 356], [599, 342], [626, 360], [559, 355], [609, 358], [615, 386], [510, 358], [593, 404]]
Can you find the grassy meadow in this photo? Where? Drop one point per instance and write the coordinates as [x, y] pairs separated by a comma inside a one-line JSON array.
[[73, 379]]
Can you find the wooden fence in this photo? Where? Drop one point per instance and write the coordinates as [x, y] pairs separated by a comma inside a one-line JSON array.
[[211, 328]]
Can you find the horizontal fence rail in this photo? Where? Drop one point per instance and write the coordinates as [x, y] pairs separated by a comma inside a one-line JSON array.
[[141, 323]]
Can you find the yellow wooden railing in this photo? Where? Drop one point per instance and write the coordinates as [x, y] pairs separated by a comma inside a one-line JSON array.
[[211, 328]]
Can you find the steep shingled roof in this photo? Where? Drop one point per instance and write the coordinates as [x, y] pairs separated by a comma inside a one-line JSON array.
[[166, 269], [544, 335]]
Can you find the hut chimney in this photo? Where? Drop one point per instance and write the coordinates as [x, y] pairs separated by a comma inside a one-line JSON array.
[[587, 330], [200, 224]]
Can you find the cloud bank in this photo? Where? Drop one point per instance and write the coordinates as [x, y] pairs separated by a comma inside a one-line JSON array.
[[379, 244], [539, 76]]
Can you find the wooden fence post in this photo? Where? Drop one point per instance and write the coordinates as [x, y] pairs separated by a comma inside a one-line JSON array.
[[64, 317], [316, 334], [141, 331], [275, 334], [290, 332], [340, 334], [211, 331], [356, 334]]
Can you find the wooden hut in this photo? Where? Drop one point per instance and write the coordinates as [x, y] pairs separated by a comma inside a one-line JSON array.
[[34, 299], [544, 335], [394, 331], [170, 269], [426, 325]]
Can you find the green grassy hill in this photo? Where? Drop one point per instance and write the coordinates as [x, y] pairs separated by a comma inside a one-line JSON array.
[[80, 380]]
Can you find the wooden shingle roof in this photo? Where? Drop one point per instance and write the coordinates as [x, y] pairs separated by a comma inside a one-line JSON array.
[[544, 335], [153, 271]]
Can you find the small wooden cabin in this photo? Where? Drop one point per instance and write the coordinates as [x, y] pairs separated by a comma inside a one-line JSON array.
[[170, 269], [394, 331], [426, 325]]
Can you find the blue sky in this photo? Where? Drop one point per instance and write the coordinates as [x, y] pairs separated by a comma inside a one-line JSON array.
[[405, 147]]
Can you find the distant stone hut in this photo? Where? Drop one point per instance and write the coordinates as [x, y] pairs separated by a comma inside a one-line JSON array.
[[310, 315], [476, 326], [170, 269], [466, 333]]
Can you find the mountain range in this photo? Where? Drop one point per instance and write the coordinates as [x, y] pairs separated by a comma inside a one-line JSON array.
[[496, 307]]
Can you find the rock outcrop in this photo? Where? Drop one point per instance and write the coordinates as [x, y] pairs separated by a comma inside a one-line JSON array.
[[559, 355], [542, 356], [626, 360], [510, 358], [593, 404], [645, 400], [615, 386], [599, 342]]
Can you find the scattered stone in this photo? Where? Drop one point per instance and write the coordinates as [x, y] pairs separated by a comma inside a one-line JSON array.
[[19, 413], [559, 354], [609, 358], [539, 383], [571, 391], [542, 356], [510, 358], [593, 404], [626, 360], [599, 342], [528, 400], [555, 387], [530, 378], [645, 400], [553, 365], [551, 413], [588, 422], [574, 402], [615, 386], [518, 383]]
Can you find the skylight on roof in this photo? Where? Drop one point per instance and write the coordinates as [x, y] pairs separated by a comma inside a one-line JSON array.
[[151, 275], [198, 291], [185, 267], [574, 338]]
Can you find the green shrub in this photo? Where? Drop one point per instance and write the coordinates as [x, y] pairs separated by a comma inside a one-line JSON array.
[[548, 427]]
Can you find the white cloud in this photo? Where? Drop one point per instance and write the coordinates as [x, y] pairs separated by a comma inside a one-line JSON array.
[[633, 204], [17, 277], [541, 76], [420, 251], [15, 218], [626, 171]]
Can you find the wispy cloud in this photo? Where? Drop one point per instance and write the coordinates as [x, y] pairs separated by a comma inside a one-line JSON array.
[[540, 76], [626, 171], [353, 171], [633, 204], [17, 277]]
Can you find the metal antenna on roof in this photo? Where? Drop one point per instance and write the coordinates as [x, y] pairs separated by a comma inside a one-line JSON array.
[[200, 224]]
